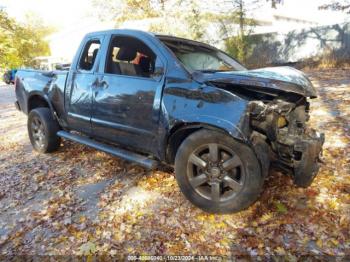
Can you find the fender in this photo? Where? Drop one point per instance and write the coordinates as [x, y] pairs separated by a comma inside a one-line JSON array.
[[194, 123], [192, 104], [46, 98], [211, 122]]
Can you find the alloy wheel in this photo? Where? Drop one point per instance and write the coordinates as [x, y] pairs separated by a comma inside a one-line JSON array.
[[38, 132], [215, 172]]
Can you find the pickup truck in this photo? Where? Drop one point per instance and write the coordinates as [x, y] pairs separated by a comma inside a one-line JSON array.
[[156, 99]]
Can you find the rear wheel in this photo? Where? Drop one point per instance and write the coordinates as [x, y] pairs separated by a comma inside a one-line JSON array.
[[217, 173], [42, 129]]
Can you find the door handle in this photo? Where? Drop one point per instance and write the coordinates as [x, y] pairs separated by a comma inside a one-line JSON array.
[[104, 84]]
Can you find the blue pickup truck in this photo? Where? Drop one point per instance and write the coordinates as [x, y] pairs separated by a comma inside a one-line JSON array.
[[156, 99]]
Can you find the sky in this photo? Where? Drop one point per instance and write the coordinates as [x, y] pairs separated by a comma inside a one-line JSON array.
[[74, 18], [59, 13]]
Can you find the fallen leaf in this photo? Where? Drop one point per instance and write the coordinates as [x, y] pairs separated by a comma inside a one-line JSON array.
[[87, 249]]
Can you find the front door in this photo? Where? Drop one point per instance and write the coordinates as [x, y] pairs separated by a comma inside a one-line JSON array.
[[81, 85], [126, 100]]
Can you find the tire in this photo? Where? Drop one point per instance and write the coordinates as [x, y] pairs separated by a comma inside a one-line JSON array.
[[42, 130], [217, 173]]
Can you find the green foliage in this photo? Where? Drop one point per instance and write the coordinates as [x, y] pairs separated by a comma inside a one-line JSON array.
[[195, 21], [8, 53], [189, 18], [21, 43], [343, 6], [177, 17], [281, 208], [237, 47], [274, 3], [236, 39], [124, 10]]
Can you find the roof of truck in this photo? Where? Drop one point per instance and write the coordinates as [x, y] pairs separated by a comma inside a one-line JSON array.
[[116, 31], [145, 33]]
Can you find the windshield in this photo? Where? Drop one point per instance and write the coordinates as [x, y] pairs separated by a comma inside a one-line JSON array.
[[201, 57]]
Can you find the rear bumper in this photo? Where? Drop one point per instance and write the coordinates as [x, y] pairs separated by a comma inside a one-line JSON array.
[[307, 164], [17, 106]]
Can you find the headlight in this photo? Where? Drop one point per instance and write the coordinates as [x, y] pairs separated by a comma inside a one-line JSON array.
[[281, 122]]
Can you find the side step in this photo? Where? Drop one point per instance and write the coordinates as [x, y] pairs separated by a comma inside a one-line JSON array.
[[118, 152]]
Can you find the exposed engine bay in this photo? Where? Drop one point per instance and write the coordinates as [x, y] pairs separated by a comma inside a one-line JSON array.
[[279, 129]]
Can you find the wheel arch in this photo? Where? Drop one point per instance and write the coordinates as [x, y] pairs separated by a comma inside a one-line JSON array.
[[179, 132], [35, 101], [38, 99]]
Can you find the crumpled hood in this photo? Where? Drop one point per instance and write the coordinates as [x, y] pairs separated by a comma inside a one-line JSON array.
[[271, 79]]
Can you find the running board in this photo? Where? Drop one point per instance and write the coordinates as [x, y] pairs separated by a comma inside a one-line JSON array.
[[118, 152]]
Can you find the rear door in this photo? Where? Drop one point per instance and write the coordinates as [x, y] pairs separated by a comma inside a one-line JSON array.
[[126, 103], [83, 80]]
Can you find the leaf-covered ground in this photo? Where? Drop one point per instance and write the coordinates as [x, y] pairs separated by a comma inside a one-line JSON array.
[[81, 201]]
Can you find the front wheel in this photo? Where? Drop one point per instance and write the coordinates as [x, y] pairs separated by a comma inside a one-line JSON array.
[[217, 173], [42, 129]]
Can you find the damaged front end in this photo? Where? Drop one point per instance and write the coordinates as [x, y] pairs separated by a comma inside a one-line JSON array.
[[279, 129], [278, 113]]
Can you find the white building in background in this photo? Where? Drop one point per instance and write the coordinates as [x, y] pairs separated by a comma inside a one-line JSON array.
[[285, 19]]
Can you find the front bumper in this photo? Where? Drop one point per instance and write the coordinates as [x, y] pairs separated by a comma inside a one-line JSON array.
[[308, 151], [294, 147]]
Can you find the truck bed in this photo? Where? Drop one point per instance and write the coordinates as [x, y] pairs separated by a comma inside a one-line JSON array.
[[50, 84]]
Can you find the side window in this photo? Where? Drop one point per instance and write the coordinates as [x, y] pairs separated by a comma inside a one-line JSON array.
[[130, 56], [89, 55]]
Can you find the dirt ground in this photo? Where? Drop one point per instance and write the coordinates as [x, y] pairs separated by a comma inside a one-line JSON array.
[[79, 201]]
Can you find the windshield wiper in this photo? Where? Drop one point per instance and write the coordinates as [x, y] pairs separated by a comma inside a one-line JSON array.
[[213, 70]]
